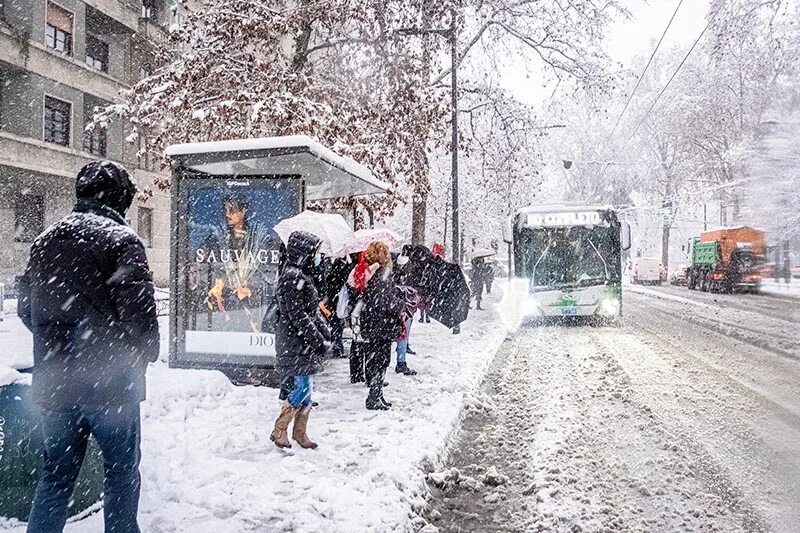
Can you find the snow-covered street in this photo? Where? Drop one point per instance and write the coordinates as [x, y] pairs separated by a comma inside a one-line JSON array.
[[687, 418]]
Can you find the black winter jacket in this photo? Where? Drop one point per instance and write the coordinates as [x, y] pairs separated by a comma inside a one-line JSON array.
[[87, 296], [380, 317], [301, 330]]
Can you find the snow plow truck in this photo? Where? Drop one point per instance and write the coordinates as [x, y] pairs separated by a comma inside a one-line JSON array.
[[727, 260]]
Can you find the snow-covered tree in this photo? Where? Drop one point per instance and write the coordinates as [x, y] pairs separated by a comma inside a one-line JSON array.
[[344, 72], [362, 75], [751, 45]]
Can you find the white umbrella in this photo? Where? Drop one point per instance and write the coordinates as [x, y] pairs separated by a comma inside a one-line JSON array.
[[485, 252], [332, 230], [364, 237]]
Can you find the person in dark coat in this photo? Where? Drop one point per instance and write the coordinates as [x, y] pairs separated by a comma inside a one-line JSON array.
[[479, 278], [381, 322], [356, 286], [301, 337], [87, 297], [335, 277], [420, 257]]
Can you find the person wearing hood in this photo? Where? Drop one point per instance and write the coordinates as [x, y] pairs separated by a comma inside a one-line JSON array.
[[301, 337], [380, 318], [88, 298]]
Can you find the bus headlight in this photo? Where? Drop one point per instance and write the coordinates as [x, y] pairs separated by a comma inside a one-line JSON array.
[[609, 307], [530, 308]]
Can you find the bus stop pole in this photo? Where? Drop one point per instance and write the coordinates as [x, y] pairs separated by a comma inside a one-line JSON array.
[[454, 99]]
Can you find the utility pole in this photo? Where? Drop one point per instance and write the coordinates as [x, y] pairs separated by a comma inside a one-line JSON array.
[[705, 216], [454, 99]]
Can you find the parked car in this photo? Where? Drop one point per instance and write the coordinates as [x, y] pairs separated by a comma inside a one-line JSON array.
[[680, 276], [769, 270], [647, 271]]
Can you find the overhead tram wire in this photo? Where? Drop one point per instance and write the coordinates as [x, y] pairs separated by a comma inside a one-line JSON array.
[[641, 76], [664, 89]]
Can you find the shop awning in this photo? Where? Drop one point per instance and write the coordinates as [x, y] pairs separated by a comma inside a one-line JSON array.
[[326, 174]]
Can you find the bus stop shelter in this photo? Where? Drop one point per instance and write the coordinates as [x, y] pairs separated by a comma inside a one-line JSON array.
[[227, 197]]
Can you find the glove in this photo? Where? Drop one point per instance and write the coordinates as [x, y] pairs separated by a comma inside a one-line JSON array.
[[327, 348]]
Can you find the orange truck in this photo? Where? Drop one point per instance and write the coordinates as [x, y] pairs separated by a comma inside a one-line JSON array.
[[727, 260]]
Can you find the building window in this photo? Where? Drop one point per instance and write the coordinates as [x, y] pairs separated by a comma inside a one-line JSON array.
[[58, 31], [28, 217], [147, 158], [149, 10], [57, 118], [94, 142], [96, 53], [145, 226]]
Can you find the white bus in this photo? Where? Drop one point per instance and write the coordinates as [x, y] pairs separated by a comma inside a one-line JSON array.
[[566, 260]]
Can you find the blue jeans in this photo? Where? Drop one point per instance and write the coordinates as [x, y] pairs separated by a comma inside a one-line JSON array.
[[402, 345], [66, 433], [301, 393]]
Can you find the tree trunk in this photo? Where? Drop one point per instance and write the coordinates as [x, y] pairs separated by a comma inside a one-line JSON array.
[[301, 41], [665, 231], [737, 207], [419, 216]]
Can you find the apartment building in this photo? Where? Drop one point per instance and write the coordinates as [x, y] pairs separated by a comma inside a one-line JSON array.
[[59, 59]]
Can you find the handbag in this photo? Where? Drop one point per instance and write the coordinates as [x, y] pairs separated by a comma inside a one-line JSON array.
[[269, 324]]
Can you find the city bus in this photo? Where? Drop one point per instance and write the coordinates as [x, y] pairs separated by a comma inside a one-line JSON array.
[[566, 261]]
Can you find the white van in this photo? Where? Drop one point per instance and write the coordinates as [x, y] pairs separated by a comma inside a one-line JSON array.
[[646, 271]]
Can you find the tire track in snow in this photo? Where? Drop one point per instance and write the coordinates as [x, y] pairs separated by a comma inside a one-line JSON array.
[[772, 305], [736, 403], [583, 456], [775, 335]]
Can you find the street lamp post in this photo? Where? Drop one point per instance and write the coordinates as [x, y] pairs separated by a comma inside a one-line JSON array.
[[454, 167], [451, 34]]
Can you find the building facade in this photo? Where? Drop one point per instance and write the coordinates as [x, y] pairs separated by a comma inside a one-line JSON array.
[[59, 60]]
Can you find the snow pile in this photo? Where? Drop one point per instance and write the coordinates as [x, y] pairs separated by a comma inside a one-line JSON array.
[[8, 376], [208, 464], [781, 288]]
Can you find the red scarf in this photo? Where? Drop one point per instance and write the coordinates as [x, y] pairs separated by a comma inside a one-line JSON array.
[[360, 274]]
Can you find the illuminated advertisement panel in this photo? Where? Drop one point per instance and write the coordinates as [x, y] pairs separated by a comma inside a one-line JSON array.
[[224, 263]]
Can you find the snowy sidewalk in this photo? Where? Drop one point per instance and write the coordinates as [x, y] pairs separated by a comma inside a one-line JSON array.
[[208, 464]]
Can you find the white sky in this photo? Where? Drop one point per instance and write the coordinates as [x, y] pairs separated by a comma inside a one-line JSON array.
[[627, 38], [639, 35]]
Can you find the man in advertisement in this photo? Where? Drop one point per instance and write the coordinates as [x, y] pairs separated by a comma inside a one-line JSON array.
[[232, 258]]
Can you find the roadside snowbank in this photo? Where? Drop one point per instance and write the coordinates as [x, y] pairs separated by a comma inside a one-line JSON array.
[[783, 289], [208, 464]]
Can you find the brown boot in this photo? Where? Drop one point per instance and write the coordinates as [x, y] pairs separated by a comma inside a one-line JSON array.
[[299, 431], [280, 435]]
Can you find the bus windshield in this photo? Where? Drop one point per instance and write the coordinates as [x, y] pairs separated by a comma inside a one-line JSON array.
[[562, 257]]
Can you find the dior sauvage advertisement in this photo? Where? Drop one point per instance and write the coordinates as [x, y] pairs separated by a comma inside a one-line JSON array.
[[231, 257]]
